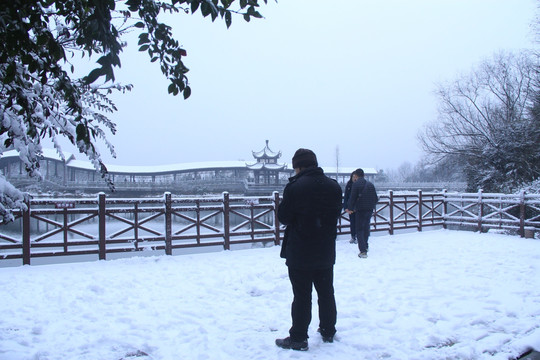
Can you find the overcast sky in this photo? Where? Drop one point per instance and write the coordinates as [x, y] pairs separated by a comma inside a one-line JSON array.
[[356, 75]]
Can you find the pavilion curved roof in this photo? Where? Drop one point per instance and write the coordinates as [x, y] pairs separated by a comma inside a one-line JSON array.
[[259, 166], [266, 152]]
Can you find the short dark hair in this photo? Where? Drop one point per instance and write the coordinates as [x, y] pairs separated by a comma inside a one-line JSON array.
[[359, 172], [304, 158]]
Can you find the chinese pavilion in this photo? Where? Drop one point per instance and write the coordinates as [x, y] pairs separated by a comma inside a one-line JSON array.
[[267, 169]]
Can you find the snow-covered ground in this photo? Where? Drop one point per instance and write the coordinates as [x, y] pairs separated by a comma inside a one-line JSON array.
[[432, 295]]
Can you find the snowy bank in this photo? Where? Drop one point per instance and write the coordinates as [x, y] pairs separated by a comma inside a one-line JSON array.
[[431, 295]]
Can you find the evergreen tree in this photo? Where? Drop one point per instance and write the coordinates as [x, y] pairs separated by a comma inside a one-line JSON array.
[[39, 97]]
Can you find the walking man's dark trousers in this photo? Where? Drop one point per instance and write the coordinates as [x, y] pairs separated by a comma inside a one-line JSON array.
[[363, 219]]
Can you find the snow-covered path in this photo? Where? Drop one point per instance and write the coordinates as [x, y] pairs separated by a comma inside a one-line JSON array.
[[431, 295]]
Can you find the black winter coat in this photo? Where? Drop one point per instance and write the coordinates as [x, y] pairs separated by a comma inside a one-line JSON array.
[[310, 208], [347, 196], [363, 196]]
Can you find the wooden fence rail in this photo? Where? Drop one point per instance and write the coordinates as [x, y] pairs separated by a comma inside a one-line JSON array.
[[101, 226], [520, 212]]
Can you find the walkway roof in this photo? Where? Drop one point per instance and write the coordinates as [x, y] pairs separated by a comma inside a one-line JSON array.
[[71, 161]]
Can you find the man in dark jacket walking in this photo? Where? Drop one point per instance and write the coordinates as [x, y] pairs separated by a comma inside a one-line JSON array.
[[362, 202], [310, 208], [346, 197]]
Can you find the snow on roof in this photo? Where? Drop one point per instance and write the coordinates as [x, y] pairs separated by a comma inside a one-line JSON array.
[[258, 166], [71, 161], [205, 165], [348, 170], [81, 164], [47, 153], [266, 152]]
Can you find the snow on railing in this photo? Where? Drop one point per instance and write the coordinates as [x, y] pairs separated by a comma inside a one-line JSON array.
[[519, 212], [101, 225]]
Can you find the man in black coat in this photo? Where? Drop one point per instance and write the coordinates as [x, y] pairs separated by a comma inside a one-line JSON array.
[[310, 208], [362, 203]]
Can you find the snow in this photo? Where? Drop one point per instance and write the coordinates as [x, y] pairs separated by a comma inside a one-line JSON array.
[[156, 169], [10, 198], [437, 294], [87, 165], [47, 153], [348, 170], [204, 165]]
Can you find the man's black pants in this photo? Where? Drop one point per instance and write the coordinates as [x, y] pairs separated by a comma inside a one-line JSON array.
[[363, 219], [302, 281]]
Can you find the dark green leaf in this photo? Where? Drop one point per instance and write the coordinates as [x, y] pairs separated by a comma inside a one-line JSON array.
[[194, 6], [205, 9], [228, 19], [10, 74], [143, 39], [104, 61], [115, 60], [109, 74], [82, 133], [133, 5], [252, 12], [94, 74], [187, 92], [42, 40]]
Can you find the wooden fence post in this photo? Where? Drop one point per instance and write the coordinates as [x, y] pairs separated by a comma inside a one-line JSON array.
[[445, 208], [420, 213], [168, 224], [136, 227], [26, 232], [480, 210], [102, 222], [391, 212], [198, 220], [276, 220], [226, 221], [65, 230], [522, 213]]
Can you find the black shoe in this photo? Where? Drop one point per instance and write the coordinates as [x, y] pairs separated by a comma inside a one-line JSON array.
[[326, 339], [287, 343]]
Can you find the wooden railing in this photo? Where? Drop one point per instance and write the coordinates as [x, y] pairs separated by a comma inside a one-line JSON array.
[[101, 226], [53, 227], [410, 210], [425, 186], [482, 211]]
